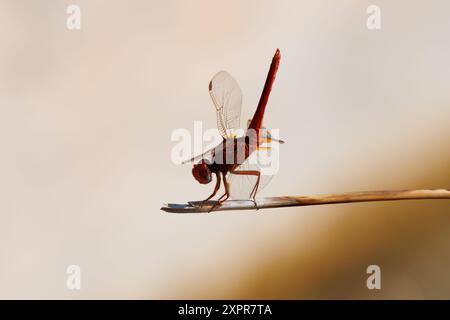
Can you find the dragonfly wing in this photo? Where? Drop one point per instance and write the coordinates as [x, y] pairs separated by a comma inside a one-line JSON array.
[[209, 154], [260, 160], [227, 98], [241, 186]]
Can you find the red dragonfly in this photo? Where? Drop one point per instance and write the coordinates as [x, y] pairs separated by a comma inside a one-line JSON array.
[[228, 158]]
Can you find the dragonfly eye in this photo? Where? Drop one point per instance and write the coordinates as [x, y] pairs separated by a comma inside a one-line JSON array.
[[202, 173]]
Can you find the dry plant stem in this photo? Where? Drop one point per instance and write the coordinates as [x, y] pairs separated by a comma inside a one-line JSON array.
[[279, 202]]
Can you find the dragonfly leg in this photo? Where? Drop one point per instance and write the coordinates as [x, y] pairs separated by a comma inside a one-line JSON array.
[[216, 188], [225, 196], [255, 188]]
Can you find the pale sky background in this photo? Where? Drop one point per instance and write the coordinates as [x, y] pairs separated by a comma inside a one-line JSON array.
[[85, 123]]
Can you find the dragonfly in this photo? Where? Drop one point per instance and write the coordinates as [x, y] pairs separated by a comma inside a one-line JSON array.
[[230, 159]]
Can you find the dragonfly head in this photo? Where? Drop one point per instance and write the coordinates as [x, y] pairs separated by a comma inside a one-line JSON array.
[[201, 172]]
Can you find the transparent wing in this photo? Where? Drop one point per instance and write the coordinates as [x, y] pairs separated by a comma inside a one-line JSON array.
[[206, 155], [265, 160], [227, 98], [242, 186]]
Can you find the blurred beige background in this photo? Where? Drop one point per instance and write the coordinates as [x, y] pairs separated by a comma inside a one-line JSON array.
[[85, 124]]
